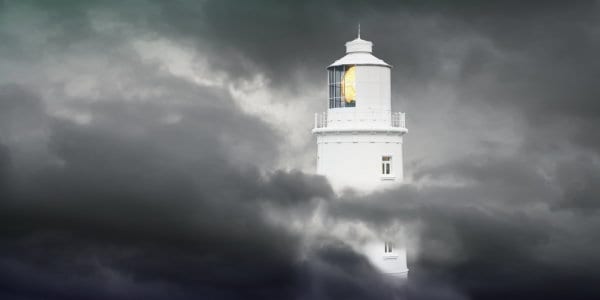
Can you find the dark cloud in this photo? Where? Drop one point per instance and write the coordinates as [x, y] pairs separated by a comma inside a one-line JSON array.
[[579, 180], [120, 179], [499, 234], [118, 213]]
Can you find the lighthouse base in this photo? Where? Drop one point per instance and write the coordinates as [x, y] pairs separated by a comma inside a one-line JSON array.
[[388, 258]]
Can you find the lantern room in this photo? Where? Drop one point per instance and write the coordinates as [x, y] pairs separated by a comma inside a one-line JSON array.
[[359, 79]]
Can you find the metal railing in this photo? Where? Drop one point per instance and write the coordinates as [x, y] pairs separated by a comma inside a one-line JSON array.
[[396, 119], [321, 120]]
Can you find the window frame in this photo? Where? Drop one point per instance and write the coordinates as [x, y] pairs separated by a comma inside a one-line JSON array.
[[387, 165], [388, 247]]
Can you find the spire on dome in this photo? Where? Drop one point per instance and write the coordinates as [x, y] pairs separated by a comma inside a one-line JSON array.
[[358, 44]]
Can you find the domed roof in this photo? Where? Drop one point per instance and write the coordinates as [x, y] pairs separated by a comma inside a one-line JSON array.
[[358, 52]]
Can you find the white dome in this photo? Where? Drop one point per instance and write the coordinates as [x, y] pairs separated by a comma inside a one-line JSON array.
[[359, 53], [359, 45]]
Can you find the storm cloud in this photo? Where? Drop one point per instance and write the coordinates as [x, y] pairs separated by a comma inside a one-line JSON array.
[[162, 150]]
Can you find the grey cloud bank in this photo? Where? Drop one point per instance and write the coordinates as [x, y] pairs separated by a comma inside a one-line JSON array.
[[130, 174]]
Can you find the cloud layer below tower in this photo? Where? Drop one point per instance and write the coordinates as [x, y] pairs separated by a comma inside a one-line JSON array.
[[144, 153]]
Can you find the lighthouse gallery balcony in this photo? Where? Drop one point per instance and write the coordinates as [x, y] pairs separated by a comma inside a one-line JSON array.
[[360, 121]]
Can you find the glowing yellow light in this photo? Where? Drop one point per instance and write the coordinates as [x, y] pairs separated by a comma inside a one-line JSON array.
[[348, 84]]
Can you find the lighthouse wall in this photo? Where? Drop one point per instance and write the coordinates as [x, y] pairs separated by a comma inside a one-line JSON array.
[[351, 159], [373, 89]]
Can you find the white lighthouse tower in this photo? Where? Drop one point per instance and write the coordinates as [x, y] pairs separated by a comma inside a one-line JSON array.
[[359, 138]]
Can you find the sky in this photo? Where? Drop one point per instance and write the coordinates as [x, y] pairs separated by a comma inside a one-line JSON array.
[[162, 150]]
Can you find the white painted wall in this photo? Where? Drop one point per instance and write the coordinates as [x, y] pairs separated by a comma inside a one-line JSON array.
[[373, 88], [353, 159]]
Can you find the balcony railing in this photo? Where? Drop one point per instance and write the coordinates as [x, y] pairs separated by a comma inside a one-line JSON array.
[[321, 120], [396, 119]]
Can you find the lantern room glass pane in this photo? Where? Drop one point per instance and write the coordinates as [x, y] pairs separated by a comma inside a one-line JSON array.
[[342, 86]]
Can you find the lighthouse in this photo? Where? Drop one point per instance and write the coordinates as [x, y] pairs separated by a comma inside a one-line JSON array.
[[359, 139]]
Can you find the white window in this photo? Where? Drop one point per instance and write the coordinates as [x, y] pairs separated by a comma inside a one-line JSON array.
[[386, 165]]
